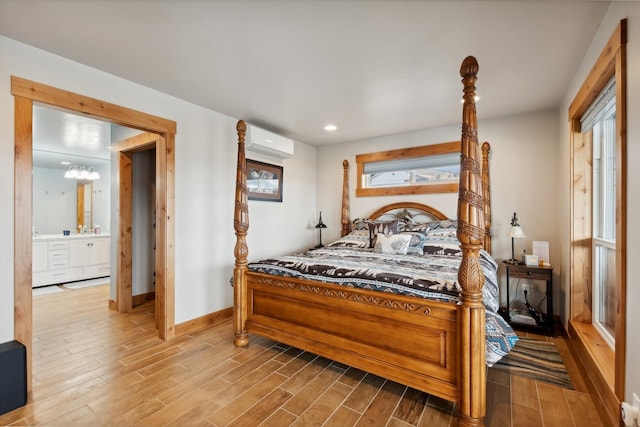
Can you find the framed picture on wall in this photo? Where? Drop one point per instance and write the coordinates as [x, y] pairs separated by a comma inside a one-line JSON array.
[[264, 181]]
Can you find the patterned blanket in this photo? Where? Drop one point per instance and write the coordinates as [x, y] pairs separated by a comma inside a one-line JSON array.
[[431, 276]]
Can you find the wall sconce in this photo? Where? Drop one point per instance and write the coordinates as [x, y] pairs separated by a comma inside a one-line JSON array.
[[514, 233], [320, 225]]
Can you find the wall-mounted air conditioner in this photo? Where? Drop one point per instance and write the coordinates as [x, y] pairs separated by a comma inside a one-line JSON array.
[[268, 143]]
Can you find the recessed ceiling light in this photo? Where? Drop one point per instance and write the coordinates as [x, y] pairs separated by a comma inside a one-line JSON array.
[[65, 163], [330, 128]]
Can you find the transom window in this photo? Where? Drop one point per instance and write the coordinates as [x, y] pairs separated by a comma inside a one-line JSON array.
[[417, 170]]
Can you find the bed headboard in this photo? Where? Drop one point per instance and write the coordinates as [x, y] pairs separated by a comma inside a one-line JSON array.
[[424, 212], [418, 212]]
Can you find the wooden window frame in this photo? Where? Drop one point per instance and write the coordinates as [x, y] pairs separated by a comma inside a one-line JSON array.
[[607, 383], [405, 153]]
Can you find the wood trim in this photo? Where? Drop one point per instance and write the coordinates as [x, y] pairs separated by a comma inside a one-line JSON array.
[[203, 322], [124, 269], [409, 189], [612, 61], [136, 300], [80, 204], [140, 142], [23, 221], [94, 107], [621, 211], [405, 153], [25, 92], [600, 388], [600, 74]]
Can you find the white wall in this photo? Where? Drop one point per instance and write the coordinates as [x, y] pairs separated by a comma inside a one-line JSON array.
[[205, 179], [616, 12], [523, 173]]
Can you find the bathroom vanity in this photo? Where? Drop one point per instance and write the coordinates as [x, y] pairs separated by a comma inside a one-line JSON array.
[[61, 259]]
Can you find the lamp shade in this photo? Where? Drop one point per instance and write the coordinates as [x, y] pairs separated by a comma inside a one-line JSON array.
[[516, 232], [320, 224]]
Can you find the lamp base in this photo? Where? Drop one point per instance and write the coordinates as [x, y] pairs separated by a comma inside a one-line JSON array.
[[512, 261], [318, 246]]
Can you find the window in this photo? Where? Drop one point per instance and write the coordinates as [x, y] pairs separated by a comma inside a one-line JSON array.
[[417, 170], [600, 120]]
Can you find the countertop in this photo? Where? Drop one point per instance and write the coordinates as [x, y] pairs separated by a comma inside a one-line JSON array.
[[71, 236]]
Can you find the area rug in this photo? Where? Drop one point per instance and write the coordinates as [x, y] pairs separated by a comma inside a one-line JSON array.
[[88, 283], [45, 290], [536, 359]]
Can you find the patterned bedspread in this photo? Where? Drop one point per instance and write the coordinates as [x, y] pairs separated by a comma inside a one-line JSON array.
[[431, 276]]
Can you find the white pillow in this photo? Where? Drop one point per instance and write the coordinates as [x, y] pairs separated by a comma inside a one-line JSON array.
[[396, 244]]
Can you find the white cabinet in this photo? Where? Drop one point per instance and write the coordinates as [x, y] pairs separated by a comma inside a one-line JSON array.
[[59, 259], [92, 254], [40, 254]]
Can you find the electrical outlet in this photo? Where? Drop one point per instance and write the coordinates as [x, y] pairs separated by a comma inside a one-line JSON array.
[[526, 289]]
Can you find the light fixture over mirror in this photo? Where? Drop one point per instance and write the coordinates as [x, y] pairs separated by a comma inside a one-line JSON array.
[[80, 172]]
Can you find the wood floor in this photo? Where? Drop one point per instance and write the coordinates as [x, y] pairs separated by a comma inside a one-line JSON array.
[[96, 367]]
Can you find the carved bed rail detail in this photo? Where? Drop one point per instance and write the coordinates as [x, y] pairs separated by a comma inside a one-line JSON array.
[[346, 295]]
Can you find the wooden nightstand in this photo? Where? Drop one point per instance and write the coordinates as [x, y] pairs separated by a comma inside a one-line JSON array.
[[526, 320]]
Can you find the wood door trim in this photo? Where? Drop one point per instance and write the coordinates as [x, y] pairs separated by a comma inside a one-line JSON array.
[[124, 285], [93, 107], [25, 92]]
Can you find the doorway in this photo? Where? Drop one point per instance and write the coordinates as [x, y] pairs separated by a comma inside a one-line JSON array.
[[25, 93]]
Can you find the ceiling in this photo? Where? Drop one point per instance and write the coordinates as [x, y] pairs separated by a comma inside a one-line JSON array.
[[370, 67]]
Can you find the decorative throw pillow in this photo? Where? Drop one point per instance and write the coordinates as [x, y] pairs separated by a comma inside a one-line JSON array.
[[360, 224], [416, 244], [381, 227], [396, 244]]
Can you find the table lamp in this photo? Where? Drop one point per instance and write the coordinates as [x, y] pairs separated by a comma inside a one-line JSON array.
[[320, 225], [514, 233]]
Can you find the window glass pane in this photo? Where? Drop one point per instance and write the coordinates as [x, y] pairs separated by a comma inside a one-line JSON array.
[[609, 179], [605, 295], [419, 171]]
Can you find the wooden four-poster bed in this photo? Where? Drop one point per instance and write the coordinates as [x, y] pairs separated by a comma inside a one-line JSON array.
[[434, 346]]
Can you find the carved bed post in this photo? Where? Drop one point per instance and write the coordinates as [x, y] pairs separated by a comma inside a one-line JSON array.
[[241, 226], [471, 233], [345, 220], [486, 194]]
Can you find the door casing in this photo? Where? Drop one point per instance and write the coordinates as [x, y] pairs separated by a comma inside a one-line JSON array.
[[27, 92]]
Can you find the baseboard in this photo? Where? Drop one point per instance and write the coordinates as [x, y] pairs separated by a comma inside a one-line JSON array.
[[601, 391], [142, 298], [203, 322], [135, 300]]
